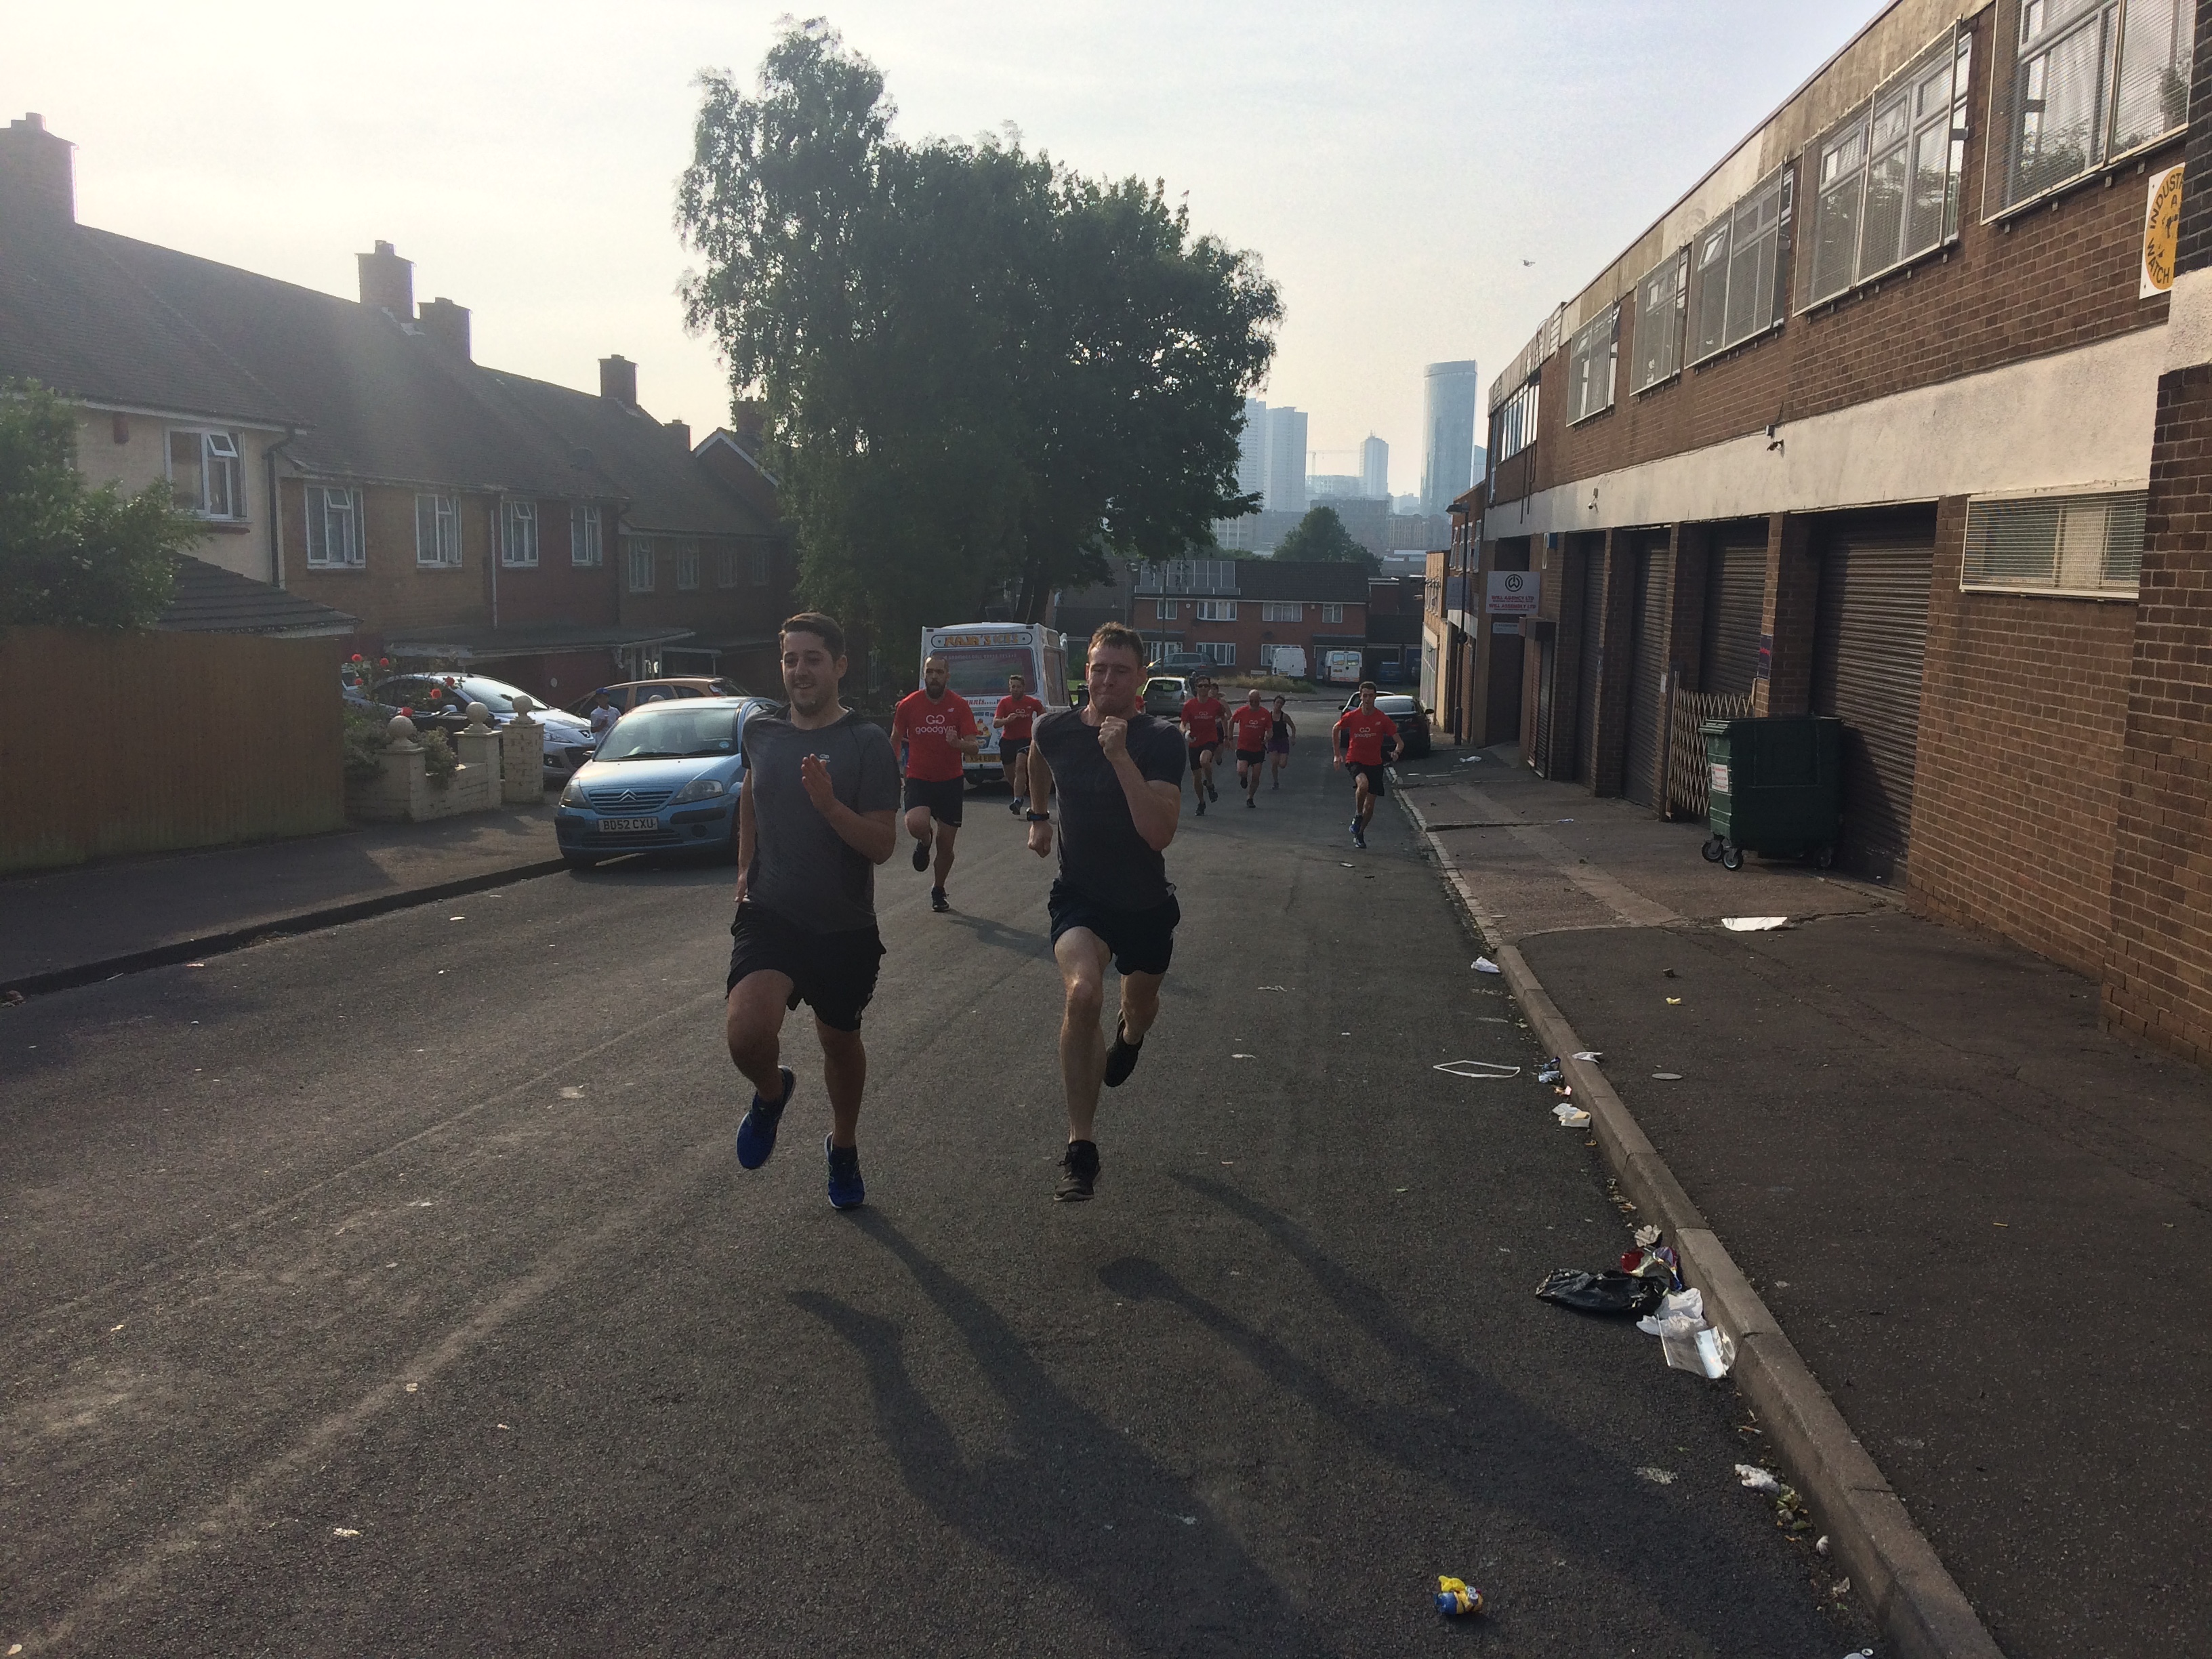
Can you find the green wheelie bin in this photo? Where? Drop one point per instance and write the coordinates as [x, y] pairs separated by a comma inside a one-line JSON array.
[[1775, 786]]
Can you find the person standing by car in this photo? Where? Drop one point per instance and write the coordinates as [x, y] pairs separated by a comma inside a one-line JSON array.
[[1201, 724], [940, 731], [817, 813], [1012, 719], [604, 716], [1119, 773], [1366, 740], [1279, 743], [1252, 723]]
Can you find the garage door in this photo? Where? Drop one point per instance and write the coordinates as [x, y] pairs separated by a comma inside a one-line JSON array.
[[1736, 602], [1592, 634], [1867, 662], [1654, 569]]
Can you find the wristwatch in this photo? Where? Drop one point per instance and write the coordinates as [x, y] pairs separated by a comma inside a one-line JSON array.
[[1040, 817]]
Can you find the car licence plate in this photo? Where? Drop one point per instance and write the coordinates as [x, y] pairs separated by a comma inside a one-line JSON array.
[[628, 826]]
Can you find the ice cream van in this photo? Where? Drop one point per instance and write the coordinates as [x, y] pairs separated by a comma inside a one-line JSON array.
[[980, 656]]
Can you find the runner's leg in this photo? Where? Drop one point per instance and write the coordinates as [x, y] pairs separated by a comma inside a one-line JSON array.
[[1366, 799], [845, 1075], [753, 1023], [947, 835], [1140, 1001], [1083, 956], [1252, 783], [917, 824]]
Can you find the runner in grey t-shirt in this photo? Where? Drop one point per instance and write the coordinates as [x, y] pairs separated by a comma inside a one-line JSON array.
[[818, 813]]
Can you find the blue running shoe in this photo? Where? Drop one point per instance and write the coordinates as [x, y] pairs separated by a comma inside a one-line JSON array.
[[756, 1135], [846, 1190]]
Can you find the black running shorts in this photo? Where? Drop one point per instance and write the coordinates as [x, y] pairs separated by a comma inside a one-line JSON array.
[[1142, 941], [1013, 749], [944, 797], [1250, 756], [833, 973], [1377, 785]]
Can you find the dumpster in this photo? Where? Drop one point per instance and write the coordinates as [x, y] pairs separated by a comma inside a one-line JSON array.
[[1775, 788]]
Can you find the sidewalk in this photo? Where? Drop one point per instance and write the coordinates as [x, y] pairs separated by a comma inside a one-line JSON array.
[[1986, 1225], [71, 926]]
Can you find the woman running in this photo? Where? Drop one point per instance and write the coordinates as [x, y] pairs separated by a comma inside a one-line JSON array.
[[1279, 744]]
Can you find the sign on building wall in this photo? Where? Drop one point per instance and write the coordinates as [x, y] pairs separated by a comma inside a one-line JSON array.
[[2162, 231], [1514, 592]]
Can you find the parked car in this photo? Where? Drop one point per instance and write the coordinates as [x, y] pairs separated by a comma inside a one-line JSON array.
[[665, 780], [626, 694], [1165, 695], [443, 700], [1408, 716], [1187, 663]]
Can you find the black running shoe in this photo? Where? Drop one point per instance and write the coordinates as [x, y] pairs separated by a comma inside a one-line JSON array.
[[1120, 1060], [938, 901], [1078, 1172], [922, 855], [1211, 793], [1201, 806]]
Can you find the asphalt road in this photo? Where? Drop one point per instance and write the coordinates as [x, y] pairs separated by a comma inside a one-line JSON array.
[[395, 1288]]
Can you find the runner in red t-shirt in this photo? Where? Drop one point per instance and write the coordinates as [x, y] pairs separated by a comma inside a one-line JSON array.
[[1366, 740], [1013, 718], [1252, 722], [939, 730], [1201, 724]]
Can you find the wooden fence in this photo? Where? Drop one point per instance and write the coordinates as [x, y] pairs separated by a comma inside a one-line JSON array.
[[146, 742], [1686, 775]]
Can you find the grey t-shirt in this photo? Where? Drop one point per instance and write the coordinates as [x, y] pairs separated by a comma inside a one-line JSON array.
[[802, 870], [1102, 856]]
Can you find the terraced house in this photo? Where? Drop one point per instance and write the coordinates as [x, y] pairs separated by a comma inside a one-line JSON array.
[[1869, 423]]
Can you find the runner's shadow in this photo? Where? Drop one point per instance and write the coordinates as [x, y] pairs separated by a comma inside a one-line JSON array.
[[999, 936], [1075, 1501]]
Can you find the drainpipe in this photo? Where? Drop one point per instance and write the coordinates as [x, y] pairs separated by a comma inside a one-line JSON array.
[[497, 551], [275, 505]]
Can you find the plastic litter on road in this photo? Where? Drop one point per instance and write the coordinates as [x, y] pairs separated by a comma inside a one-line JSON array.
[[1590, 1054], [1755, 1479], [1624, 1295], [1754, 924], [1479, 1070], [1455, 1597], [1666, 1076], [1485, 965], [1549, 1071], [1570, 1117]]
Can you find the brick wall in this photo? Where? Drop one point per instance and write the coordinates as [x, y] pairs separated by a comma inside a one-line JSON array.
[[389, 592], [2193, 248]]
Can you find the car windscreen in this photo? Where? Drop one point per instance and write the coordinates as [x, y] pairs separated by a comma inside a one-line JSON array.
[[980, 670], [665, 731], [1396, 706]]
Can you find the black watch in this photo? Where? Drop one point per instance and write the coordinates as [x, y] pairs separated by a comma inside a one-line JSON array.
[[1040, 817]]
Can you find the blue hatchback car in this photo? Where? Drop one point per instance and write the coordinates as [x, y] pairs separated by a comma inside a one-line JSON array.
[[665, 779]]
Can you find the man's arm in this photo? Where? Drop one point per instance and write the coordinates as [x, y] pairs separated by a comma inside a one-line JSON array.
[[871, 835], [1039, 775], [1155, 804], [744, 833]]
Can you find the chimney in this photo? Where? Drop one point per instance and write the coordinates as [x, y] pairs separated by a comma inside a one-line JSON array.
[[750, 416], [387, 282], [38, 180], [618, 380], [447, 323], [681, 431]]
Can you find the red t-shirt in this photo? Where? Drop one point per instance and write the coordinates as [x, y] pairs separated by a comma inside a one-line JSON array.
[[1252, 726], [1203, 715], [1014, 715], [928, 730], [1366, 733]]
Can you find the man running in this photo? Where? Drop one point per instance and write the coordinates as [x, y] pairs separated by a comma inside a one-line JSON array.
[[1252, 724], [1119, 773], [1279, 743], [1013, 719], [940, 731], [1201, 724], [1366, 740], [817, 814]]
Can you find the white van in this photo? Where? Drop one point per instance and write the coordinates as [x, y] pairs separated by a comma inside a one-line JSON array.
[[980, 655]]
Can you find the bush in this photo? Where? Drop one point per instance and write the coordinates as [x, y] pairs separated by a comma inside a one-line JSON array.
[[364, 739], [439, 763]]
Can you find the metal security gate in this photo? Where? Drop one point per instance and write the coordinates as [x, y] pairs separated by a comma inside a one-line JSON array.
[[1647, 684], [1593, 637], [1735, 603], [1868, 655]]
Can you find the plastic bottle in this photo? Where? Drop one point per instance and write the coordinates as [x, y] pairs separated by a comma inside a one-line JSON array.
[[1454, 1596]]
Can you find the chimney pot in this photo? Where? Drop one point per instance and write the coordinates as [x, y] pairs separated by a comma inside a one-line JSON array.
[[38, 178], [681, 431], [387, 282], [618, 380], [447, 324]]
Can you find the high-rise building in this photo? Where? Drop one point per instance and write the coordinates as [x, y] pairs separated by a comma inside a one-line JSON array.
[[1252, 450], [1333, 487], [1375, 467], [1286, 459], [1452, 394]]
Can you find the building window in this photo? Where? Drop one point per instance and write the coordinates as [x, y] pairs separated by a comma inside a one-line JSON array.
[[762, 570], [2086, 545], [584, 536], [1662, 298], [1279, 611], [2083, 85], [1332, 613], [203, 474], [1517, 422], [687, 565], [1742, 263], [334, 537], [1221, 652], [518, 540], [1216, 610], [1165, 610], [641, 562], [1885, 180], [1591, 357], [438, 531], [726, 567]]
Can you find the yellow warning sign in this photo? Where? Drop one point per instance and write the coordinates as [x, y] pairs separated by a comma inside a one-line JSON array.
[[2162, 231]]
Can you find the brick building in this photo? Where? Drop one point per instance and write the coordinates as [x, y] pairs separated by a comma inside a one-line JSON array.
[[1864, 424], [1236, 612]]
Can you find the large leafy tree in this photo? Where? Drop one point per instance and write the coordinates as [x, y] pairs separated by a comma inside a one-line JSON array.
[[72, 556], [983, 374], [1320, 537]]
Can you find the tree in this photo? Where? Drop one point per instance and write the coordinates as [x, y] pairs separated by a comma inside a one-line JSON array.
[[983, 374], [1320, 537], [71, 556]]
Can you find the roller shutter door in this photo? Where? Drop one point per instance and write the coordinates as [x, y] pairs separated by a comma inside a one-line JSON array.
[[1867, 657], [1655, 570], [1735, 604], [1593, 635]]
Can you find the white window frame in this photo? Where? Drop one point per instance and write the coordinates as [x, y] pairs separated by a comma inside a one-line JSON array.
[[1216, 610], [763, 567], [1282, 610], [1662, 307], [1592, 364], [1332, 613], [1738, 245], [336, 540], [2089, 541], [220, 456], [641, 555], [517, 534], [687, 566], [1166, 610], [586, 551], [1516, 419], [1222, 654], [437, 531]]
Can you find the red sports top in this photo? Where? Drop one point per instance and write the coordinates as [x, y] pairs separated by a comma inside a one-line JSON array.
[[1203, 715], [929, 730], [1252, 726], [1014, 715], [1366, 733]]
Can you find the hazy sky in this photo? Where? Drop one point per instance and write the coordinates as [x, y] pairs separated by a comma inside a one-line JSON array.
[[1392, 163]]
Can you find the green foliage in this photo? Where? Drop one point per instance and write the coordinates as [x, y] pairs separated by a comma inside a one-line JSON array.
[[439, 763], [1320, 537], [71, 556], [364, 738], [983, 374]]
